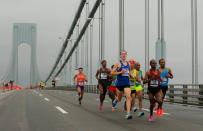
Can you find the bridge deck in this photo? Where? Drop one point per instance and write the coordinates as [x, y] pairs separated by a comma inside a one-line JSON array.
[[37, 110]]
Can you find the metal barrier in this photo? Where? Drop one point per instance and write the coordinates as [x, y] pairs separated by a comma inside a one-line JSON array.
[[177, 93]]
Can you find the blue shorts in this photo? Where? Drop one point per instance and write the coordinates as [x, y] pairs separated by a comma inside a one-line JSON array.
[[81, 87]]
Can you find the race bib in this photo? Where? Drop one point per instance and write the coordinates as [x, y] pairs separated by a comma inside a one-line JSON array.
[[126, 73], [103, 76], [154, 83], [81, 83], [132, 83]]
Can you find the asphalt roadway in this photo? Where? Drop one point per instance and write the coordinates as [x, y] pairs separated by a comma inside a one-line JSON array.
[[55, 110]]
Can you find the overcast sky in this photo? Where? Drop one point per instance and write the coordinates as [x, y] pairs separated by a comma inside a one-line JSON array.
[[53, 18]]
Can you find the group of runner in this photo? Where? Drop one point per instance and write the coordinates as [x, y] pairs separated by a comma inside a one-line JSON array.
[[126, 77]]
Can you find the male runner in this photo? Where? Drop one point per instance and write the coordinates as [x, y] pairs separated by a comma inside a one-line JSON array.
[[81, 78], [121, 69], [166, 73], [112, 87], [139, 88], [153, 79], [102, 76], [54, 83]]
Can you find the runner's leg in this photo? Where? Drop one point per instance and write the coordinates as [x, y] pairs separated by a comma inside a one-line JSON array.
[[127, 92]]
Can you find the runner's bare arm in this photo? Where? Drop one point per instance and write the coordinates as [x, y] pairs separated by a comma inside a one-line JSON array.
[[137, 78], [74, 78], [146, 78], [97, 74], [170, 73], [86, 78], [114, 70]]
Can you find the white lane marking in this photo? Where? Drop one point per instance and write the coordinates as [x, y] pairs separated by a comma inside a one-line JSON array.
[[155, 111], [40, 94], [46, 99], [61, 110]]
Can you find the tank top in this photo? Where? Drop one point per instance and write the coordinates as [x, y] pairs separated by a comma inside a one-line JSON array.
[[140, 75], [132, 80], [80, 80], [113, 83], [156, 82], [103, 75], [123, 79], [164, 77]]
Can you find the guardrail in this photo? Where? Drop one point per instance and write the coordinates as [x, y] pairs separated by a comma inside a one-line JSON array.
[[177, 93]]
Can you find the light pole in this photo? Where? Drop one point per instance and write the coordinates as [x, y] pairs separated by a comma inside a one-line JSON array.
[[194, 34], [146, 35], [121, 26], [87, 42], [160, 43]]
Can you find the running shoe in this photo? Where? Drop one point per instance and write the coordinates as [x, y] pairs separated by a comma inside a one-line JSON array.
[[128, 116], [100, 108], [134, 109], [151, 119], [161, 112], [140, 114], [113, 109], [158, 113], [114, 104]]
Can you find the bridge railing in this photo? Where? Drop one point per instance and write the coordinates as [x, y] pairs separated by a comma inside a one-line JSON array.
[[177, 93]]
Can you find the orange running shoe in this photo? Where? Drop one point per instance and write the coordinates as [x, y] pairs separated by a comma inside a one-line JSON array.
[[113, 109], [158, 113], [161, 112]]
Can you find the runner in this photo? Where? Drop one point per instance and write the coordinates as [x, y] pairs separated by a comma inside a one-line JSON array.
[[112, 87], [134, 76], [165, 74], [139, 89], [54, 83], [121, 70], [81, 78], [153, 79], [41, 85], [102, 76]]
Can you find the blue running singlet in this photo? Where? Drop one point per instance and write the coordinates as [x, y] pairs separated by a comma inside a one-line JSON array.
[[123, 79], [164, 77]]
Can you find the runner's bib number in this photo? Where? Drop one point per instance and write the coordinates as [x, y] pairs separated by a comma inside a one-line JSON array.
[[126, 73], [154, 83], [103, 76], [132, 83], [164, 80], [80, 83]]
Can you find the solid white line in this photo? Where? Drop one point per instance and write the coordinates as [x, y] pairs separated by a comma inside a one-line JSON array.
[[46, 99], [155, 111], [61, 110]]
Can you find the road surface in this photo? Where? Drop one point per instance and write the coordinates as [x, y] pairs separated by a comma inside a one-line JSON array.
[[55, 110]]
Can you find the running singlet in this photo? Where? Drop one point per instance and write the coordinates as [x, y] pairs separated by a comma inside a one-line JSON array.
[[123, 79], [114, 81], [103, 74], [140, 75], [53, 83], [156, 82], [164, 78], [132, 80], [80, 80], [139, 84]]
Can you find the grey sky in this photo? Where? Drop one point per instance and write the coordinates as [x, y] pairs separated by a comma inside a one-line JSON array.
[[53, 17]]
